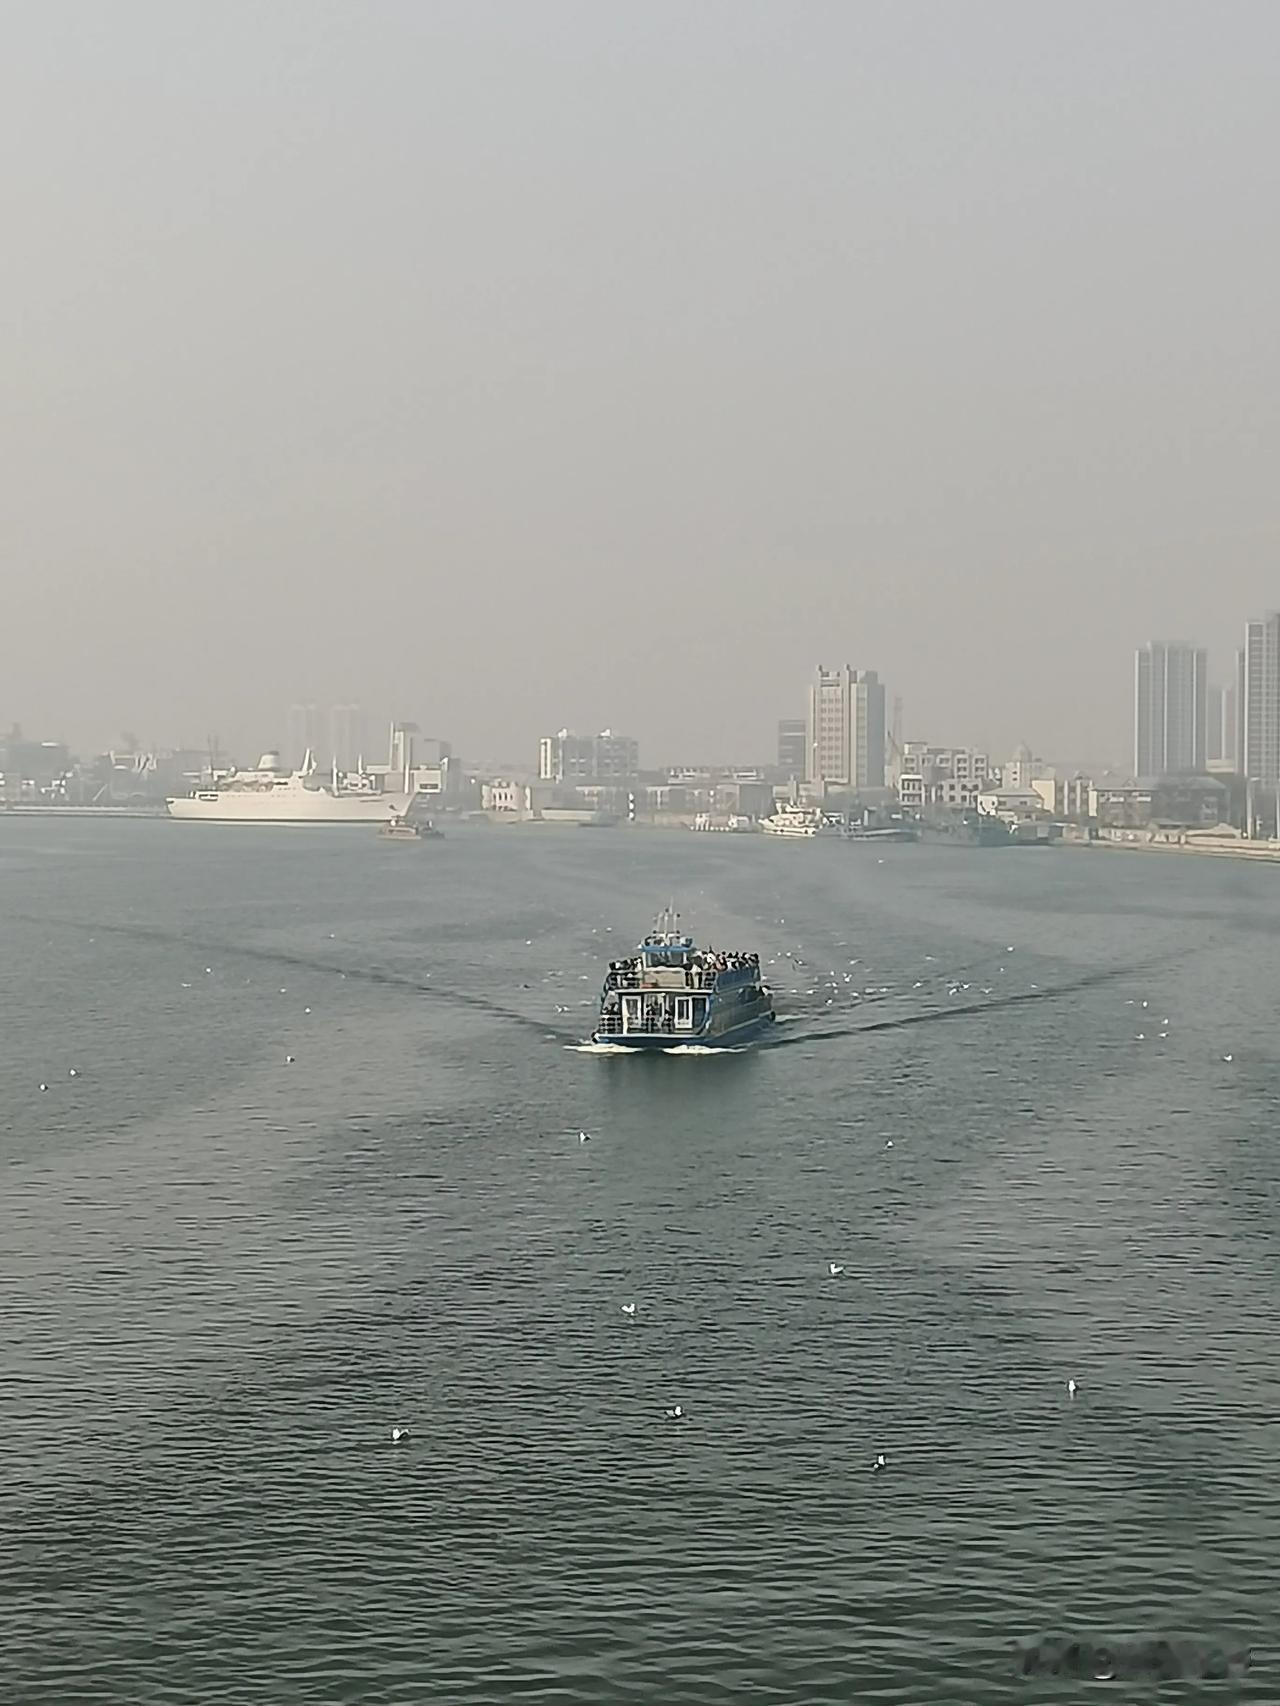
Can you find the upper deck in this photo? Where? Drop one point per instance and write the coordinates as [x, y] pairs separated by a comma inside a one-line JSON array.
[[669, 959]]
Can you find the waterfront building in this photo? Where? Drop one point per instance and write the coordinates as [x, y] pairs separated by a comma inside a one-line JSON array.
[[935, 764], [845, 729], [566, 758], [1065, 797], [1170, 684]]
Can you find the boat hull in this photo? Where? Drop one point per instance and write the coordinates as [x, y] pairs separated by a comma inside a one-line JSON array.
[[250, 808], [663, 1042]]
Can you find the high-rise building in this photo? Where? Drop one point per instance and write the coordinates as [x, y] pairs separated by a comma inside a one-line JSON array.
[[1220, 729], [793, 744], [1170, 681], [304, 734], [402, 748], [346, 736], [1240, 765], [1260, 700], [566, 758], [844, 730]]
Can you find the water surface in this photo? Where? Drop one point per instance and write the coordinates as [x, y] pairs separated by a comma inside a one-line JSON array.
[[226, 1276]]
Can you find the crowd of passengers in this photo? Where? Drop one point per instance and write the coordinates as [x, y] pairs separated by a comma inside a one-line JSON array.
[[702, 969]]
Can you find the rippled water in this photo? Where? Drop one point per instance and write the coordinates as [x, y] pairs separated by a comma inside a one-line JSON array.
[[225, 1278]]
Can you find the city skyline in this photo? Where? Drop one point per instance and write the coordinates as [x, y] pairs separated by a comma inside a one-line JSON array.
[[349, 729]]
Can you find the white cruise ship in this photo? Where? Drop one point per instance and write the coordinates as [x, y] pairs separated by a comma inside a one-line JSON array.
[[272, 794], [800, 821]]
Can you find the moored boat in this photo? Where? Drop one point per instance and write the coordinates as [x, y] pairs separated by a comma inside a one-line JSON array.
[[801, 822], [671, 994], [271, 794]]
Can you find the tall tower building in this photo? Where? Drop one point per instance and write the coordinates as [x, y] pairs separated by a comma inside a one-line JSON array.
[[304, 733], [1260, 700], [1170, 682], [402, 748], [1220, 728], [793, 744], [845, 728], [346, 736]]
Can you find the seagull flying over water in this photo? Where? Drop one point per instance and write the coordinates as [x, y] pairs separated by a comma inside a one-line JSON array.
[[835, 1269], [674, 1414], [879, 1463], [1072, 1388], [1228, 1058], [397, 1434], [583, 1137], [628, 1308]]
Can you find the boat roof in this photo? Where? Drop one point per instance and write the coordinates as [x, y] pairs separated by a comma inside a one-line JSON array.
[[667, 938]]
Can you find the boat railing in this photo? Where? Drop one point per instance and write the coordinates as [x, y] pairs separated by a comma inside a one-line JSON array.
[[695, 978]]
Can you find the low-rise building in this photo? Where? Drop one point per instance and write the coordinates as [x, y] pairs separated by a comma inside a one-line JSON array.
[[1014, 805], [1068, 798], [1168, 802], [507, 798]]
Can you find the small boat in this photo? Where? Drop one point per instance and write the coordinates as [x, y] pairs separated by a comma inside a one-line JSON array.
[[404, 829], [671, 994], [801, 822]]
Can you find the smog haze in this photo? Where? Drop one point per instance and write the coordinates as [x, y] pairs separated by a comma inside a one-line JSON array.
[[508, 366]]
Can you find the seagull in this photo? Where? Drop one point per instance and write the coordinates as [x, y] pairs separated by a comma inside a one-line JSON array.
[[674, 1414], [397, 1434], [288, 1060], [306, 1009], [1072, 1389], [879, 1463], [1228, 1058], [583, 1137], [628, 1308], [74, 1072], [835, 1269], [44, 1086], [889, 1144]]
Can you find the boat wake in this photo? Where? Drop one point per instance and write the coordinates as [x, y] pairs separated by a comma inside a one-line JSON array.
[[597, 1048], [701, 1048], [971, 1009]]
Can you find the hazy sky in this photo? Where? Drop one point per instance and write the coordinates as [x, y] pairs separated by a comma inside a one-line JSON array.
[[567, 361]]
